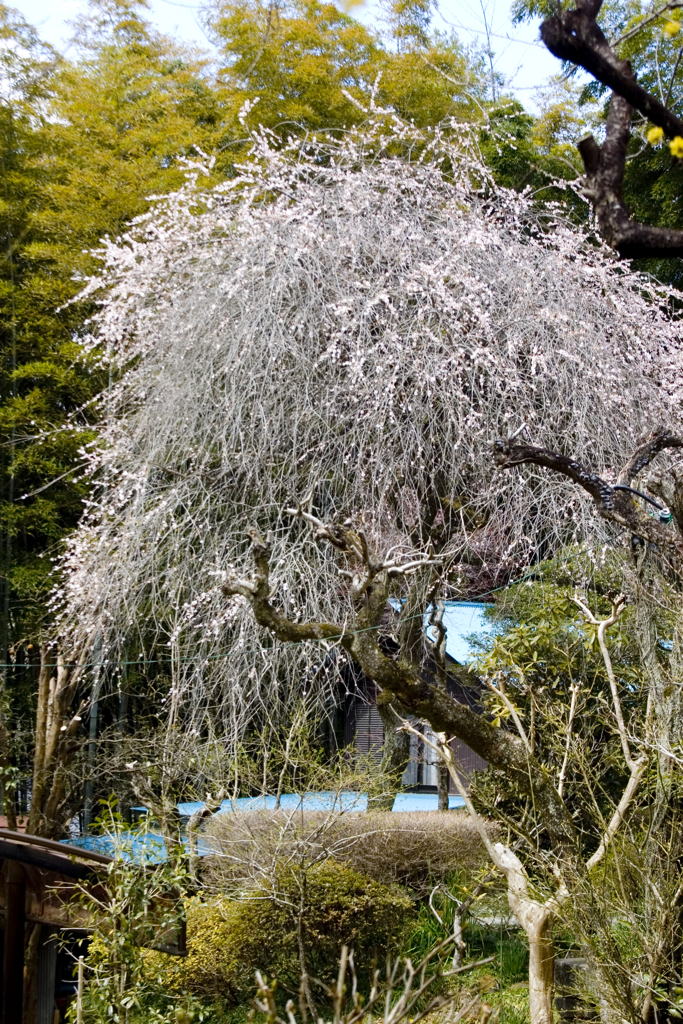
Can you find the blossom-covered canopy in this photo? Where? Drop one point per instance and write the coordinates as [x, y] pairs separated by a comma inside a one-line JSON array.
[[348, 322]]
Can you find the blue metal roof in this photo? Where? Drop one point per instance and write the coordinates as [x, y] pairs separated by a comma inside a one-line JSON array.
[[149, 847]]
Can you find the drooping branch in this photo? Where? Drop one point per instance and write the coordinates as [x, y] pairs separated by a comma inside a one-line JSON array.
[[575, 36], [310, 369], [611, 503], [658, 440]]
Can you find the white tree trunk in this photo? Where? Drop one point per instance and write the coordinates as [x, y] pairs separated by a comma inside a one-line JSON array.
[[536, 920], [541, 968]]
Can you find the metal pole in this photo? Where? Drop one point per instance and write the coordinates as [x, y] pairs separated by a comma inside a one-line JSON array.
[[89, 785], [79, 994]]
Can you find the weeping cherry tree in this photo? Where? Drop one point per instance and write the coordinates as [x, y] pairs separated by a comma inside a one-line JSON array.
[[338, 333]]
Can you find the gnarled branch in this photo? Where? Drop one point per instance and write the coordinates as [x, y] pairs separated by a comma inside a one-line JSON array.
[[603, 182], [612, 504], [417, 695], [575, 36]]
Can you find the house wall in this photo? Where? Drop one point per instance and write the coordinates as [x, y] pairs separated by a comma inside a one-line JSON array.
[[422, 768], [363, 730]]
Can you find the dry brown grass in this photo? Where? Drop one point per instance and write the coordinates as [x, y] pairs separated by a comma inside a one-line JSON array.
[[413, 849]]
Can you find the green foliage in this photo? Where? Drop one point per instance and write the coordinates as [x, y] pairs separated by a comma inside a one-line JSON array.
[[300, 58], [546, 656], [83, 143], [503, 982], [228, 940], [129, 908]]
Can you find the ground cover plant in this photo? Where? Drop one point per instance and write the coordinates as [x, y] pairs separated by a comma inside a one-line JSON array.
[[249, 939]]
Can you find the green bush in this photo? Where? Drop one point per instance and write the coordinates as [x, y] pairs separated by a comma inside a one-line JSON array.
[[229, 940]]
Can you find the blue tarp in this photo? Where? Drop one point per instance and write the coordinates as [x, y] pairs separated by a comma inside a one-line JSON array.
[[145, 848], [424, 802], [288, 801]]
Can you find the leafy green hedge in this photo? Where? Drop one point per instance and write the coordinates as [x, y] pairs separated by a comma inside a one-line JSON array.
[[229, 940]]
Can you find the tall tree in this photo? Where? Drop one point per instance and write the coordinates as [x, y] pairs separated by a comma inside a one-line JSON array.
[[349, 345], [302, 60], [84, 143]]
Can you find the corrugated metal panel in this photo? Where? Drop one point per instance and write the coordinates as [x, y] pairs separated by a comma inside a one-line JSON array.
[[369, 730], [467, 759], [47, 975], [410, 775], [429, 759]]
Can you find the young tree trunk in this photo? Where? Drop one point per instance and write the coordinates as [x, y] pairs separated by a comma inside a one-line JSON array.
[[56, 742], [211, 805], [541, 968], [442, 785], [8, 787], [57, 725], [536, 919]]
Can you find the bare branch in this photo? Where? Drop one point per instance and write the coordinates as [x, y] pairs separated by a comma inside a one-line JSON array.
[[501, 694], [636, 766], [575, 36], [618, 606], [570, 723], [632, 786], [603, 181], [612, 504]]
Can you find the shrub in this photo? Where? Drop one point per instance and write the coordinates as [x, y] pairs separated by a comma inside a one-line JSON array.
[[410, 849], [414, 849], [230, 939]]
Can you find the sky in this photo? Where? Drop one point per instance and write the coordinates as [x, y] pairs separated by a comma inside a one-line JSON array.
[[518, 54]]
